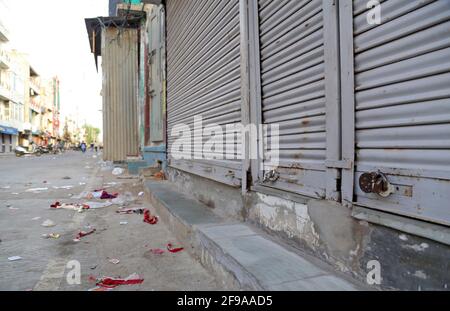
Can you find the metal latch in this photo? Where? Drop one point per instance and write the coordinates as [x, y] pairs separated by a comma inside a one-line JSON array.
[[376, 182], [271, 176]]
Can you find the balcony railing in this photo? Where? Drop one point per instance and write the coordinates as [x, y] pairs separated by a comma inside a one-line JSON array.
[[5, 61], [35, 86], [5, 92]]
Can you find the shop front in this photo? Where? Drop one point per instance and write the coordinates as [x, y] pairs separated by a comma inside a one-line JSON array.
[[8, 139]]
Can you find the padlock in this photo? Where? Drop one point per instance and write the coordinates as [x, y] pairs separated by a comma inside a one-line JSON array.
[[376, 182]]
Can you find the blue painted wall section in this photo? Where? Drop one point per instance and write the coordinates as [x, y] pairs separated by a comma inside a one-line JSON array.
[[154, 154], [151, 157]]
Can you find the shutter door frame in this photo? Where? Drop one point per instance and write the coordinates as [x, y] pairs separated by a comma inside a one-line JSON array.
[[221, 49], [421, 189], [331, 165]]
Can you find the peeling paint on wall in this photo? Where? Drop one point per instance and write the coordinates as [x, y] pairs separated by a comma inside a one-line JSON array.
[[286, 216]]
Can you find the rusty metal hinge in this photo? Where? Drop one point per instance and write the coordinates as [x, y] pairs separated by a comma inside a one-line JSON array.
[[271, 176]]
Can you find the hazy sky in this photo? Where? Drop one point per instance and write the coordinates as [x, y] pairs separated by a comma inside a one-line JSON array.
[[54, 35]]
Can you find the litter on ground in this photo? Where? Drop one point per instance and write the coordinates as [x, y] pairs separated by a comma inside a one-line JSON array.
[[14, 258], [80, 207], [82, 234], [62, 187], [36, 190], [109, 282], [159, 176], [124, 223], [97, 205], [148, 218], [101, 194], [173, 249], [118, 171], [70, 206], [129, 211], [48, 223], [51, 236], [114, 261]]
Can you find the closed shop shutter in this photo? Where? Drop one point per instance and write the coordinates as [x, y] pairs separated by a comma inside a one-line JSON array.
[[293, 92], [203, 79], [402, 100]]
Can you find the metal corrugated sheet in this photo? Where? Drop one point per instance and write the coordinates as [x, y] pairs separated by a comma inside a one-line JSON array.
[[120, 97], [293, 91], [203, 77], [402, 77], [156, 51]]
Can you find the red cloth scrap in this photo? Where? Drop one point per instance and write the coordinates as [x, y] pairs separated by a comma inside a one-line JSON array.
[[148, 218], [82, 234], [109, 282], [173, 249]]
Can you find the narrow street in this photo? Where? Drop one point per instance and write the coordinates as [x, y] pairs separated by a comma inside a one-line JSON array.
[[27, 189]]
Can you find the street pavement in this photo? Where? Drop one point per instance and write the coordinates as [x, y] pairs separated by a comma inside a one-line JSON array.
[[28, 186]]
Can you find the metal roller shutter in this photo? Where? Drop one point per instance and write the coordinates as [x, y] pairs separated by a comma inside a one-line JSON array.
[[402, 99], [203, 78], [293, 92]]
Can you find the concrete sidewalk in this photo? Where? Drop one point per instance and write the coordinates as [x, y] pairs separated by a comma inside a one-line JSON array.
[[241, 255]]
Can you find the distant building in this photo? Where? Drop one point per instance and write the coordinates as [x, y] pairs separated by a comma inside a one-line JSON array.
[[8, 132]]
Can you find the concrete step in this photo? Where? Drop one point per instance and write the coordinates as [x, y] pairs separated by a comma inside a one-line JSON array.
[[239, 254]]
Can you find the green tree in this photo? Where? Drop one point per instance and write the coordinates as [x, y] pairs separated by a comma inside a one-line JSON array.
[[91, 134], [67, 135]]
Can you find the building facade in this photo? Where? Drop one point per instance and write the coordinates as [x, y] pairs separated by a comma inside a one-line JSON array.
[[29, 105], [8, 133], [349, 156]]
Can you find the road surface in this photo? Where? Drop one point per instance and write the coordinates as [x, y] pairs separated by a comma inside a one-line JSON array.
[[28, 186]]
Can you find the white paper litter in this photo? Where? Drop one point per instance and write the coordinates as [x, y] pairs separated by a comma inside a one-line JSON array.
[[114, 261], [14, 258], [118, 171], [63, 187], [36, 190], [48, 223], [97, 205]]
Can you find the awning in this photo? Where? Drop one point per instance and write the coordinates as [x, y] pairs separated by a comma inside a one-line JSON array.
[[9, 130], [95, 25]]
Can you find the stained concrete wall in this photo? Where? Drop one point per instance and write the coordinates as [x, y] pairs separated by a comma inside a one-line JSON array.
[[328, 231], [226, 201]]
